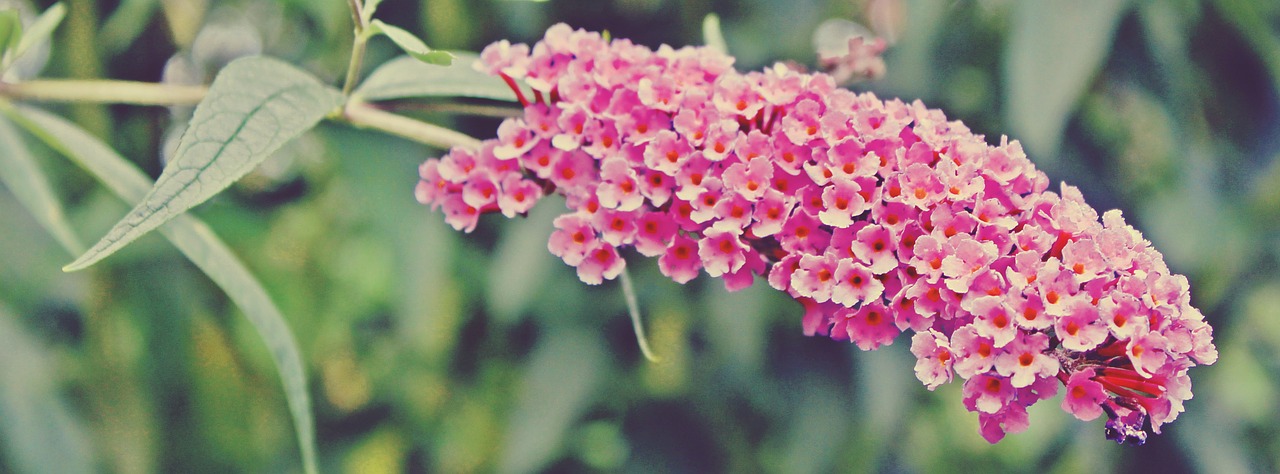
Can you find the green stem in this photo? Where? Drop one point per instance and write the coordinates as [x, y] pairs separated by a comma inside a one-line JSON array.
[[357, 49], [364, 115], [357, 59], [496, 111], [357, 16], [629, 294], [103, 92], [356, 113]]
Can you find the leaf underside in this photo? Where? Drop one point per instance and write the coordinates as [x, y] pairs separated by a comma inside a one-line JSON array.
[[406, 77], [254, 107], [195, 240], [20, 173]]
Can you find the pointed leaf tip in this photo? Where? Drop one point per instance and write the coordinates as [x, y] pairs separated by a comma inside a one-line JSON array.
[[410, 44], [254, 107], [41, 29]]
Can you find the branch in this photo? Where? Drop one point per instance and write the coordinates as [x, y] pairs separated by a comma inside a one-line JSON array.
[[363, 115], [629, 294], [104, 92]]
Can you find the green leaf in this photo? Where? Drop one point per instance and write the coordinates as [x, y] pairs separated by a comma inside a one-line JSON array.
[[711, 34], [407, 77], [547, 402], [41, 432], [40, 29], [1252, 20], [195, 240], [21, 174], [519, 265], [369, 8], [1055, 49], [126, 23], [409, 43], [10, 30], [254, 107]]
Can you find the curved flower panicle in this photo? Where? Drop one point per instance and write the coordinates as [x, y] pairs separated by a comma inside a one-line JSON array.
[[877, 216]]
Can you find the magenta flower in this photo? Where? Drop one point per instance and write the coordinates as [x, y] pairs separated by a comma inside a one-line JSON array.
[[933, 358], [1084, 396], [876, 216]]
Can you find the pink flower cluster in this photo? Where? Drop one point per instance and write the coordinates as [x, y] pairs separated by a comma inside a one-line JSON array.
[[877, 216], [862, 61]]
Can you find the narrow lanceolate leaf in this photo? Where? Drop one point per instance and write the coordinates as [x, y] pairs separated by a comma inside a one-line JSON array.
[[406, 77], [711, 34], [254, 107], [126, 23], [203, 248], [1055, 48], [10, 30], [19, 172], [40, 29], [41, 432], [410, 44], [370, 7]]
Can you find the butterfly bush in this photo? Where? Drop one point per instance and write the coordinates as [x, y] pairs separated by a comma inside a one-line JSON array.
[[877, 216]]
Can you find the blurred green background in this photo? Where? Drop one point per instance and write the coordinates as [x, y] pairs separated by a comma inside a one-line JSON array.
[[433, 351]]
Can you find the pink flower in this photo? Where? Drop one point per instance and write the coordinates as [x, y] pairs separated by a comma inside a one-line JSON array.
[[681, 262], [667, 153], [1028, 312], [1084, 396], [518, 195], [1025, 359], [869, 326], [874, 247], [460, 215], [841, 202], [814, 277], [919, 186], [975, 354], [721, 137], [1080, 329], [750, 180], [733, 213], [927, 261], [721, 252], [616, 228], [1147, 353], [653, 232], [933, 358], [515, 138], [619, 189], [855, 284], [600, 263], [988, 393], [501, 58], [1123, 315], [771, 212], [1083, 260], [876, 216], [993, 427], [967, 257], [802, 125], [861, 61], [572, 239], [993, 319]]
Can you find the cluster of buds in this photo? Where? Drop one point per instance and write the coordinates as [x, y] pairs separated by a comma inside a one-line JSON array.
[[878, 217]]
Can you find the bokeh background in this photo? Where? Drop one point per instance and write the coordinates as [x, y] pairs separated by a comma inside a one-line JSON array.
[[433, 351]]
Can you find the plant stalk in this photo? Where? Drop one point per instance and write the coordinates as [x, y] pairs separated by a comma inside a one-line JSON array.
[[357, 49], [629, 294], [103, 92], [363, 115]]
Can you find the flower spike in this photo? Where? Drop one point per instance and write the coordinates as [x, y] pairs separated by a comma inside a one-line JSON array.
[[877, 216]]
